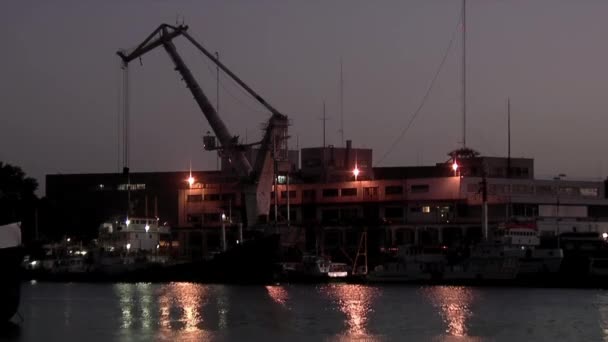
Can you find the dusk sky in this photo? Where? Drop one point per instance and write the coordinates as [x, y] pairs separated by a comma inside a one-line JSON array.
[[60, 80]]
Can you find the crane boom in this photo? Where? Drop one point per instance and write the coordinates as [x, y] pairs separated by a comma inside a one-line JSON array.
[[242, 165], [258, 179]]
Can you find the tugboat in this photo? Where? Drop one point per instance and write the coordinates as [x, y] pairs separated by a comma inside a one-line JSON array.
[[11, 254]]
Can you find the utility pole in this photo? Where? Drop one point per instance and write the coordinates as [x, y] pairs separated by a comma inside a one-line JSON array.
[[217, 101], [341, 105], [484, 198], [464, 73]]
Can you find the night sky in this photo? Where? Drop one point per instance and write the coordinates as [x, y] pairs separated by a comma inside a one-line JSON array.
[[60, 80]]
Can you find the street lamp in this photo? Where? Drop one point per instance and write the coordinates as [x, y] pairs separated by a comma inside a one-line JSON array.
[[224, 247], [455, 167], [128, 247], [190, 181], [356, 172], [558, 178]]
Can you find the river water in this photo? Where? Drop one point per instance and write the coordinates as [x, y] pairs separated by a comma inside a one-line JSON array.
[[333, 312]]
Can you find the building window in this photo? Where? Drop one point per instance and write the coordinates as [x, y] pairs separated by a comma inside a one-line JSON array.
[[330, 192], [544, 190], [473, 188], [194, 198], [211, 217], [393, 190], [420, 188], [426, 209], [292, 194], [497, 188], [229, 197], [212, 197], [124, 187], [349, 213], [589, 192], [293, 214], [522, 189], [349, 192], [371, 192], [193, 218], [330, 215], [308, 194], [568, 190], [393, 212]]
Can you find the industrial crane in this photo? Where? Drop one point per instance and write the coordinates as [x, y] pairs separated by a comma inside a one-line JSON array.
[[257, 179]]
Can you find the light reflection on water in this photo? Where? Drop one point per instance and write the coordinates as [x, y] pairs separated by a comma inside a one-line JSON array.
[[356, 302], [454, 303], [340, 312], [278, 294]]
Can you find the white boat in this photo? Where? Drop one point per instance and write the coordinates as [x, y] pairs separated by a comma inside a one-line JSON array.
[[134, 234], [11, 254], [523, 240]]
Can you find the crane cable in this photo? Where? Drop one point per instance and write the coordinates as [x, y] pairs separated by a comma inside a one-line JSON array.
[[209, 68], [426, 95]]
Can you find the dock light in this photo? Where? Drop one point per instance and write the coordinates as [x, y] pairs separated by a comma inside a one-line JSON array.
[[147, 227], [190, 181], [356, 172], [605, 236]]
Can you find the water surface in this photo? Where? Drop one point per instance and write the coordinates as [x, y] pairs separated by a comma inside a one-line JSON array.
[[334, 312]]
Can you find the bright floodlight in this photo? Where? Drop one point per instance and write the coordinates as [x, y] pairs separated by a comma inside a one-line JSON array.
[[356, 172], [68, 239], [128, 246], [605, 235], [190, 181], [147, 227], [223, 217], [455, 166], [128, 222]]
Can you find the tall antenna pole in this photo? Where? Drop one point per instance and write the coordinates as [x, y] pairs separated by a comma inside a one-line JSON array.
[[464, 73], [217, 101], [341, 105], [324, 119], [508, 137], [509, 152]]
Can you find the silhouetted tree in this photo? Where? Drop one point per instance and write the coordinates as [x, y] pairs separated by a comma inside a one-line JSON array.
[[17, 194]]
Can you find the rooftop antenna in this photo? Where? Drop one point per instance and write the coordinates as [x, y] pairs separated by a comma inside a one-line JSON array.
[[217, 102], [508, 137], [324, 119], [341, 104], [464, 73]]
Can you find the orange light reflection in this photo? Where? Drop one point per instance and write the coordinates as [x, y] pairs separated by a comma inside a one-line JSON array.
[[454, 303], [187, 298], [278, 294], [355, 301]]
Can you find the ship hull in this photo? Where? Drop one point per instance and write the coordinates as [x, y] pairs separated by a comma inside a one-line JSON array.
[[10, 285]]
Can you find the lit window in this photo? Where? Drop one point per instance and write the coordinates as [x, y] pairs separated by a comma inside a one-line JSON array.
[[426, 209]]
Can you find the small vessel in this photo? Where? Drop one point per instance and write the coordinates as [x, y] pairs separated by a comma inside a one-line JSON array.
[[523, 240], [410, 264], [11, 254], [312, 268], [585, 255]]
